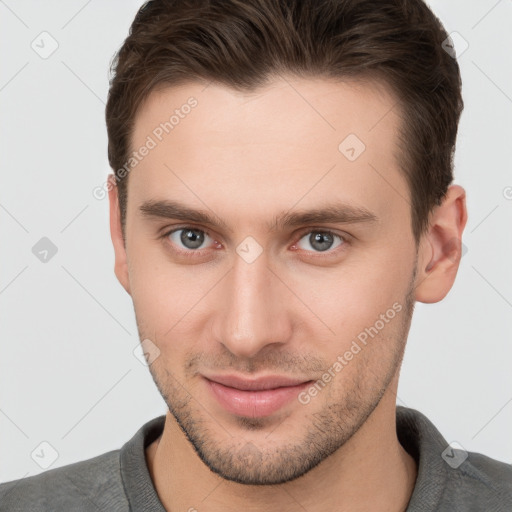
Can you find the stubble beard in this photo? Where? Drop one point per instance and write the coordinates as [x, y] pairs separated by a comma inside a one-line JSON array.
[[261, 461]]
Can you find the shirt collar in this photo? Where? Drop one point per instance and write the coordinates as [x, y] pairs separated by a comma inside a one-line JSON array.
[[415, 432]]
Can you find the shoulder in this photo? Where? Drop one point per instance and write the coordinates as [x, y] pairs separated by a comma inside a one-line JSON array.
[[92, 484], [451, 478], [481, 481]]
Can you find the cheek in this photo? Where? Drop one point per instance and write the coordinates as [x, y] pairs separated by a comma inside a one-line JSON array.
[[363, 307], [356, 300], [171, 305], [161, 291]]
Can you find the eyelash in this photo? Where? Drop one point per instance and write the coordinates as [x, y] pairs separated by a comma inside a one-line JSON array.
[[199, 252]]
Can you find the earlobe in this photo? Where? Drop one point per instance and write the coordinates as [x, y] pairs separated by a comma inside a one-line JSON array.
[[440, 249], [116, 233]]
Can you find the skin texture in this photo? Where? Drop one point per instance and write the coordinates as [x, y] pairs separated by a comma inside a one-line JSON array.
[[247, 159]]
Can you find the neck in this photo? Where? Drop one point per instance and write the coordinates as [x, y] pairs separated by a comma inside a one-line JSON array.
[[371, 471]]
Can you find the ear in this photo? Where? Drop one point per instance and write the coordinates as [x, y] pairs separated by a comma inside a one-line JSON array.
[[440, 247], [121, 261]]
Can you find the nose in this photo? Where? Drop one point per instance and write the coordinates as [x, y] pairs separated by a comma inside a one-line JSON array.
[[253, 313]]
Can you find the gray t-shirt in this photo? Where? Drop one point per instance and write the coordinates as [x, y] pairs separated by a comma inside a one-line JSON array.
[[119, 480]]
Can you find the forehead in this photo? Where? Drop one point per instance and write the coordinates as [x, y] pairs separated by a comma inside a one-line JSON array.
[[295, 140], [286, 107]]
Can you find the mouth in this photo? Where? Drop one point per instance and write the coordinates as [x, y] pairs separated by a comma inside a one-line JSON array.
[[254, 398]]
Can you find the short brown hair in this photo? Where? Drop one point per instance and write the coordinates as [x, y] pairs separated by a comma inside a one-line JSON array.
[[244, 43]]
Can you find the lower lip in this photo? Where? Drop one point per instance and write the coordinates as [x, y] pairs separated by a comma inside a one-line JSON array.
[[254, 404]]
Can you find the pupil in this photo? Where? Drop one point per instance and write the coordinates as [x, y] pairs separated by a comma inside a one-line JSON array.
[[192, 238], [321, 241]]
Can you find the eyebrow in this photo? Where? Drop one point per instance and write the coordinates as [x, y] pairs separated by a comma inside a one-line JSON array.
[[330, 213]]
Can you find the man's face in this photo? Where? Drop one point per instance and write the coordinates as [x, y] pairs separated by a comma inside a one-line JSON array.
[[324, 301]]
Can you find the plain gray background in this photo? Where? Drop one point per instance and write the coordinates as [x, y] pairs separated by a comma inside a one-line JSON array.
[[68, 373]]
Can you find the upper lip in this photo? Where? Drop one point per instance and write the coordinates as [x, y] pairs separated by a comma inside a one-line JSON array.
[[256, 384]]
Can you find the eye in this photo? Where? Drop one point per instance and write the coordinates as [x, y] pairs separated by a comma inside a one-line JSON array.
[[320, 241], [188, 237]]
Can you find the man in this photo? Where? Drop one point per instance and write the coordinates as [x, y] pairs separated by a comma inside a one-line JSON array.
[[282, 196]]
